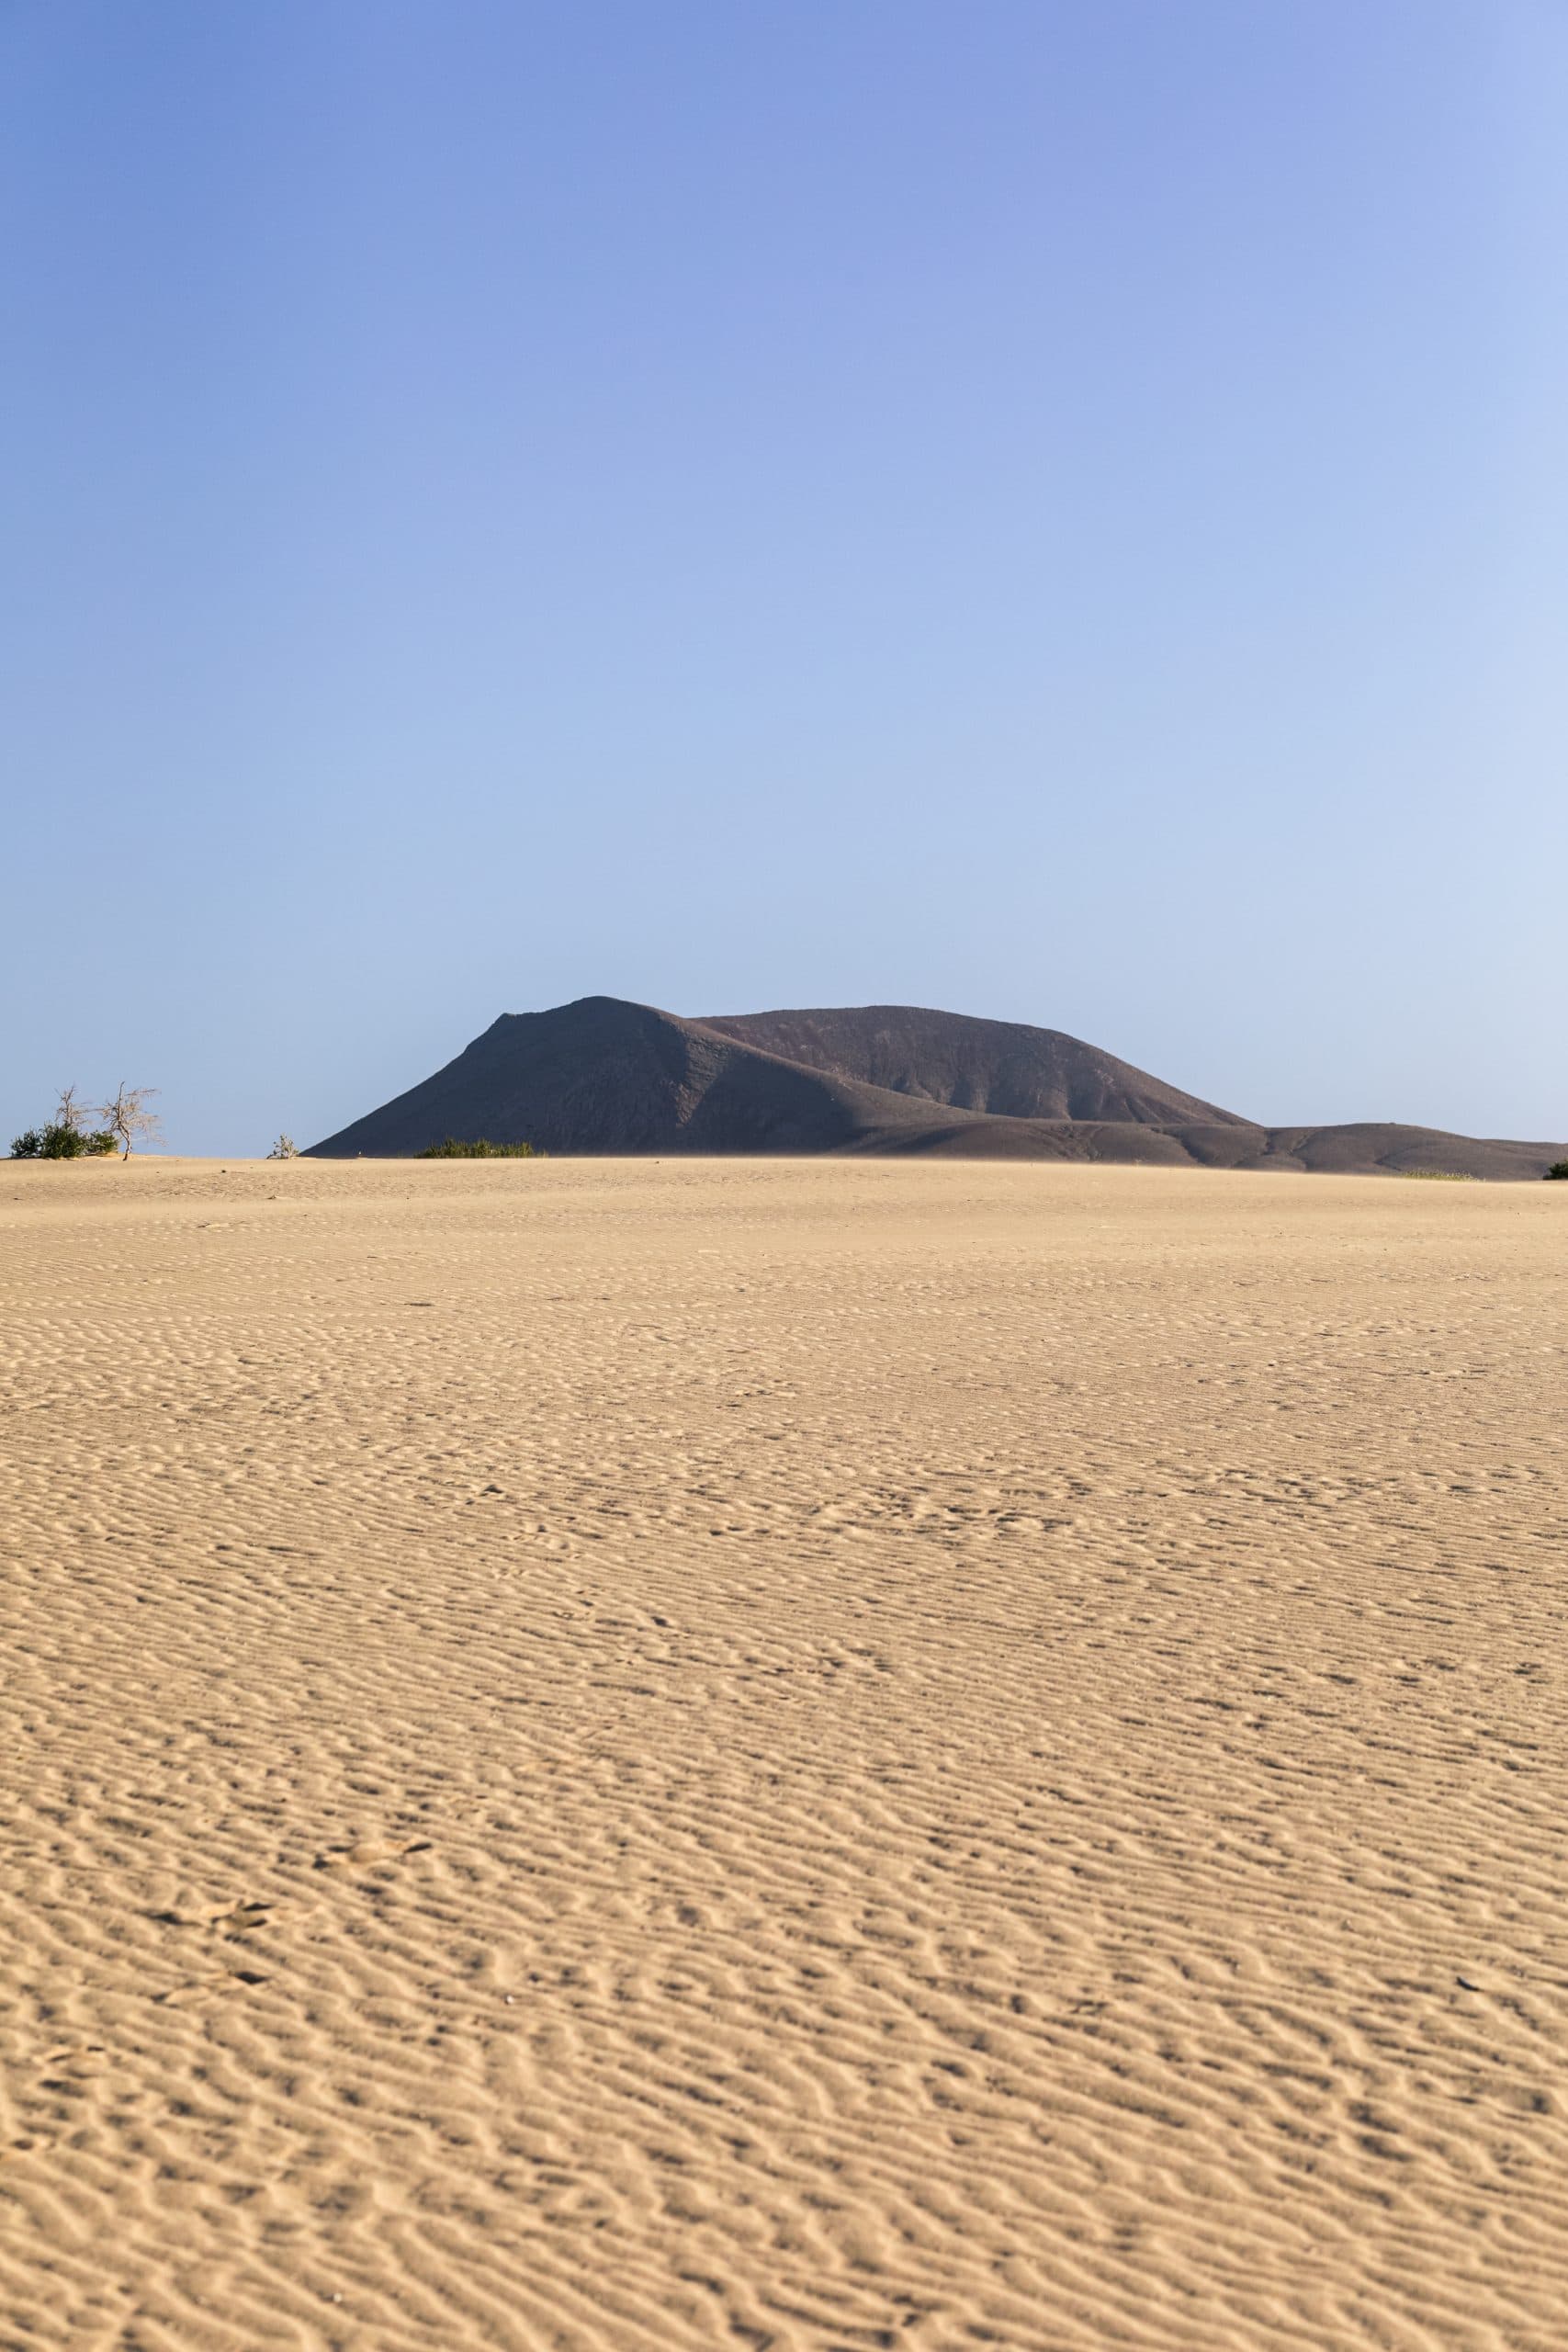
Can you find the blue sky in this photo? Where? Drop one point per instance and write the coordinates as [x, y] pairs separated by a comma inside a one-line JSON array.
[[1057, 512]]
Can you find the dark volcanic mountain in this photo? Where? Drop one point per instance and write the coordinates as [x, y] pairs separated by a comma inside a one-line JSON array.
[[1000, 1067], [602, 1076]]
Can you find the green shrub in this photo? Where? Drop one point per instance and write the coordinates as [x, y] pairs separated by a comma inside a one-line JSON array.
[[480, 1148], [60, 1140], [1558, 1171], [65, 1138], [1437, 1176]]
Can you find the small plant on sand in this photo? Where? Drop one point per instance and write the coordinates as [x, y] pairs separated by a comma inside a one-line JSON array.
[[64, 1136], [480, 1148], [55, 1142], [127, 1120], [1437, 1176], [284, 1148], [1557, 1172]]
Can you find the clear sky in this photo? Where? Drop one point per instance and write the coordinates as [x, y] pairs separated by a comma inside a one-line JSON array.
[[1055, 509]]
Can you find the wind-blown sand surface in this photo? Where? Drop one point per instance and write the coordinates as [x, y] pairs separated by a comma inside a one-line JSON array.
[[799, 1755]]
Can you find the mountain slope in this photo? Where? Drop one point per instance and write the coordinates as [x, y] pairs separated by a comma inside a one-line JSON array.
[[1003, 1068], [601, 1075], [604, 1076]]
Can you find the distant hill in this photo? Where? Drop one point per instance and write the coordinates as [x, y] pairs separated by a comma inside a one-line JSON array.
[[602, 1076], [1000, 1067]]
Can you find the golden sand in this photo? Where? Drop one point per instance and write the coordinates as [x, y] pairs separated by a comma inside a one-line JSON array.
[[782, 1755]]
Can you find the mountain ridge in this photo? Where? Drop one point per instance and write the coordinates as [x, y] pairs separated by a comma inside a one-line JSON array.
[[602, 1076], [1006, 1068]]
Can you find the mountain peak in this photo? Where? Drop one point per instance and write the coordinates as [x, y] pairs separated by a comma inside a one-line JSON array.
[[603, 1075]]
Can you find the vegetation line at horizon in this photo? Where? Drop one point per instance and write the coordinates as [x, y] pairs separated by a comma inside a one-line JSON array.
[[125, 1116], [480, 1148]]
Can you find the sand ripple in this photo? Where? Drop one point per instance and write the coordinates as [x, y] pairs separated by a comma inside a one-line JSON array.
[[803, 1755]]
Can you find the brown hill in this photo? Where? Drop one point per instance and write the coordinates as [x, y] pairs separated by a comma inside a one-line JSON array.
[[602, 1076], [1000, 1067]]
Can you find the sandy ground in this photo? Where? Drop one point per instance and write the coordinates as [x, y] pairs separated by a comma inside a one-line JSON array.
[[813, 1755]]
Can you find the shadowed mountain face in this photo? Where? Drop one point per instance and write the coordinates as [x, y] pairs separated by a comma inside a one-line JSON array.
[[602, 1076]]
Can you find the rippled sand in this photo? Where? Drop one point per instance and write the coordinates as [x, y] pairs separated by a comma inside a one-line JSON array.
[[810, 1755]]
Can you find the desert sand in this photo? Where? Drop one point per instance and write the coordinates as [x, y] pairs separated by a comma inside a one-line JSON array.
[[815, 1755]]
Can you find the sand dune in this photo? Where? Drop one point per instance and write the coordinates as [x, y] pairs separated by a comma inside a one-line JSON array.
[[797, 1754]]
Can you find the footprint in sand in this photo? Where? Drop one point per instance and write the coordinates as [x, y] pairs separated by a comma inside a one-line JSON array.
[[210, 1988], [233, 1919], [77, 2055], [372, 1849], [68, 2067], [239, 1919]]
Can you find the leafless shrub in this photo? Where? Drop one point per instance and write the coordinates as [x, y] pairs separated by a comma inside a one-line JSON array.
[[127, 1119]]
